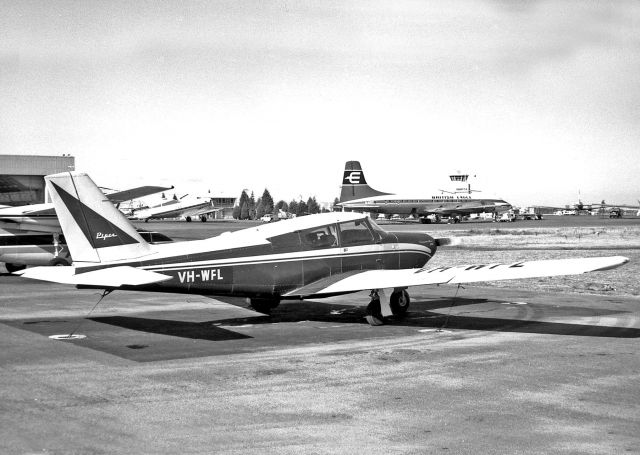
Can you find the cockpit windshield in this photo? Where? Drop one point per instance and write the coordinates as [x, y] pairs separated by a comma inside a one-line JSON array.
[[375, 228]]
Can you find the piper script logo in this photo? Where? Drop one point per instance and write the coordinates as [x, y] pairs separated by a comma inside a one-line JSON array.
[[101, 236], [353, 177]]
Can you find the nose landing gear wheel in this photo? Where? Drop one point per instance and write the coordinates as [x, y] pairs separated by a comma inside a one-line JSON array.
[[399, 302]]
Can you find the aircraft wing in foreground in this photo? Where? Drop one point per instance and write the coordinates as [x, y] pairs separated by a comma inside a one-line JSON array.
[[307, 257]]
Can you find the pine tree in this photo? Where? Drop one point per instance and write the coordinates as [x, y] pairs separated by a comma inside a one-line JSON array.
[[293, 207], [236, 212], [252, 206], [312, 205], [267, 201], [303, 208], [260, 209], [244, 211], [244, 198]]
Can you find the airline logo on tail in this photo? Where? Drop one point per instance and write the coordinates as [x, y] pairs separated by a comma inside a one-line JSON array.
[[353, 178], [98, 231], [354, 185]]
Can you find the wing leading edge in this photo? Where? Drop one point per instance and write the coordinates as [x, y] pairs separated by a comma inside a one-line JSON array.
[[381, 279]]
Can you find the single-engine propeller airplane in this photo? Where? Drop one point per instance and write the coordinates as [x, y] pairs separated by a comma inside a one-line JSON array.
[[307, 257]]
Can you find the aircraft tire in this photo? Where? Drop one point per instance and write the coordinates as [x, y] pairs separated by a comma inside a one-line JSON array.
[[203, 219], [374, 314], [399, 302], [59, 262], [264, 305], [12, 268], [188, 219]]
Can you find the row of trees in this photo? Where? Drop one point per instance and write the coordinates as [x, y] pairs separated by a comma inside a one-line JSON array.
[[249, 208]]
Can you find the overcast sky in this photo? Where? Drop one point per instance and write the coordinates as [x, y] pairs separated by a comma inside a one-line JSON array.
[[540, 100]]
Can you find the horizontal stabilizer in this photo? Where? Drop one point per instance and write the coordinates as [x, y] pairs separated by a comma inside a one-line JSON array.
[[112, 277], [381, 279]]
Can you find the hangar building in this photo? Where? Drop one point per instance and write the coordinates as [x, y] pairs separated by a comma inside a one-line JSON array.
[[22, 176]]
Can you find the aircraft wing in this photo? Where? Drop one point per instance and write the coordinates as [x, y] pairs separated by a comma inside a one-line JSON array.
[[113, 277], [461, 209], [197, 211], [135, 193], [380, 279]]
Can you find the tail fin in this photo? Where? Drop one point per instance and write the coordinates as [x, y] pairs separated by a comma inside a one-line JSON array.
[[354, 185], [95, 231]]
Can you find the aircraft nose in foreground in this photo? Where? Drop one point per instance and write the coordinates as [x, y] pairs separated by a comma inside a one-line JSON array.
[[419, 238]]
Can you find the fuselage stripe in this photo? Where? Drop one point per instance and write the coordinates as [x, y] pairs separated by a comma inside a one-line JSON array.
[[235, 262]]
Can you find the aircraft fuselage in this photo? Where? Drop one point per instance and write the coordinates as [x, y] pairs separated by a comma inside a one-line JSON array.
[[291, 261], [445, 205]]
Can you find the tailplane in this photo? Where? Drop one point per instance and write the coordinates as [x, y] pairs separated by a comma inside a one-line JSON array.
[[354, 185], [95, 231]]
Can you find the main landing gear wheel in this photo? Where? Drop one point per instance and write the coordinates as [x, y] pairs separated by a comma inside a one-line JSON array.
[[263, 305], [59, 262], [374, 313], [188, 219], [12, 268], [399, 302]]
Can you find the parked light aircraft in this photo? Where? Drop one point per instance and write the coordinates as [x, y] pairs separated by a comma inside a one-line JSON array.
[[43, 218], [614, 210], [357, 195], [18, 250], [30, 234], [307, 257], [187, 207]]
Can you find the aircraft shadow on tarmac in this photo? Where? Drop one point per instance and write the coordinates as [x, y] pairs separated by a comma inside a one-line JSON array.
[[182, 329], [421, 314]]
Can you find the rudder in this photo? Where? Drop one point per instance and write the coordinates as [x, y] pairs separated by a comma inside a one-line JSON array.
[[354, 185]]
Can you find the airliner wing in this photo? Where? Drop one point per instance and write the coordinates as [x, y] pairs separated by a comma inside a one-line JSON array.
[[461, 209], [380, 279], [135, 193], [200, 211], [113, 277]]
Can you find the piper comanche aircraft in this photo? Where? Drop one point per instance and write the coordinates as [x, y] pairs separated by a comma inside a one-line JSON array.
[[307, 257]]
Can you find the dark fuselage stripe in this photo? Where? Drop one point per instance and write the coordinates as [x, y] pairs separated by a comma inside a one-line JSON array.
[[214, 263]]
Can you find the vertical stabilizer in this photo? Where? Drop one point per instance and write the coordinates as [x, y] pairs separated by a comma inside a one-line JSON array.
[[354, 185], [95, 231]]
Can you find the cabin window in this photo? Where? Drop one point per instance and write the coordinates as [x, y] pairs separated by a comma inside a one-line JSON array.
[[286, 242], [355, 233], [319, 237]]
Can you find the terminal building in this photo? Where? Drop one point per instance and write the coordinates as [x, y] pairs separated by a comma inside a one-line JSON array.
[[22, 177]]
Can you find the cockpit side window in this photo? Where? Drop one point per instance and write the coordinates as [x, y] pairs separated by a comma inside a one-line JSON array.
[[286, 242], [355, 233], [319, 237]]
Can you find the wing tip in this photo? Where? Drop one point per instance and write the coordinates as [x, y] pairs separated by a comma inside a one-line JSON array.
[[613, 263]]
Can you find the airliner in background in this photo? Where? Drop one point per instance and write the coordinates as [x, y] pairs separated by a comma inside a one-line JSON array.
[[358, 196], [186, 207]]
